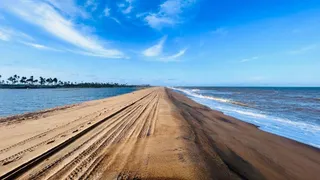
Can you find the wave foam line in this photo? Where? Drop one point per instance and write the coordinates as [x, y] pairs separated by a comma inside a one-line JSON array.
[[191, 93]]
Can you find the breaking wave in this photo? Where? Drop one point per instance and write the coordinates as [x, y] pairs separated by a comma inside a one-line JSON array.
[[305, 132]]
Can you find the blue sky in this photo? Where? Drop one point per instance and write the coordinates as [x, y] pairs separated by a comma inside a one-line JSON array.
[[163, 42]]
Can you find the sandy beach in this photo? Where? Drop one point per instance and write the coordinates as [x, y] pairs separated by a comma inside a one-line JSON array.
[[152, 133]]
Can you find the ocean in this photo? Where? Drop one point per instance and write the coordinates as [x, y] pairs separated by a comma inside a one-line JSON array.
[[289, 112], [18, 101]]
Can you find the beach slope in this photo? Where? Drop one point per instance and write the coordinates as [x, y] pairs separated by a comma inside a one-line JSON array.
[[153, 133]]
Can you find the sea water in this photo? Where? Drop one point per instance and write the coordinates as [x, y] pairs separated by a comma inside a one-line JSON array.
[[289, 112], [18, 101]]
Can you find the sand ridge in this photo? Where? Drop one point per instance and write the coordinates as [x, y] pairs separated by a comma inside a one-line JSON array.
[[113, 139], [152, 133]]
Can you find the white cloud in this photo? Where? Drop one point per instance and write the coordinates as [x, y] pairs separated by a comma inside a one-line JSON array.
[[121, 5], [9, 34], [92, 5], [40, 46], [68, 7], [126, 7], [303, 50], [175, 56], [249, 59], [127, 10], [101, 55], [115, 20], [46, 17], [139, 15], [168, 14], [155, 50], [106, 12], [155, 21], [4, 36], [171, 7]]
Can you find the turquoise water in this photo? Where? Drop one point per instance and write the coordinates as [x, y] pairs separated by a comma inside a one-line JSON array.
[[290, 112], [18, 101]]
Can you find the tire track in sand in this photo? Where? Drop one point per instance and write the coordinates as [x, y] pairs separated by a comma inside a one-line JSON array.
[[92, 154], [29, 165]]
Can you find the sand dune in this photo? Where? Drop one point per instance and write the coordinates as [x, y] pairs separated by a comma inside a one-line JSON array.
[[148, 134]]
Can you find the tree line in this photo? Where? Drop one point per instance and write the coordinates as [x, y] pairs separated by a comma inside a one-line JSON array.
[[17, 81]]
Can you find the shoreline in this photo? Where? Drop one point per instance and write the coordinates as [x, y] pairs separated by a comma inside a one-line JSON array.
[[269, 120], [64, 87], [152, 133]]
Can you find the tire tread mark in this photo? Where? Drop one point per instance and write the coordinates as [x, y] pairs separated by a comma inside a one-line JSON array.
[[28, 165]]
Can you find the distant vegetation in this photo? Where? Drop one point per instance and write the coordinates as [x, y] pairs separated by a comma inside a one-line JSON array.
[[21, 82]]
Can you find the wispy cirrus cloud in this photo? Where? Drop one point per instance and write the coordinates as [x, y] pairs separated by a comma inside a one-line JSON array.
[[40, 46], [174, 57], [106, 11], [92, 5], [156, 49], [4, 36], [46, 17], [168, 14], [249, 59], [303, 50], [126, 7], [116, 20], [9, 34], [155, 21], [68, 7], [107, 14], [156, 52]]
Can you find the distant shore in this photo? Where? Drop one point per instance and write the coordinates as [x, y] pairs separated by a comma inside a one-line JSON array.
[[24, 82], [11, 86], [154, 133]]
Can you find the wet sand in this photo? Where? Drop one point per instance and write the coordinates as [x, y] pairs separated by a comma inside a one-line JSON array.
[[152, 133]]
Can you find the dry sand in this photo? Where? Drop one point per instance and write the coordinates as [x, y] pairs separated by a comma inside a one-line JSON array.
[[148, 134]]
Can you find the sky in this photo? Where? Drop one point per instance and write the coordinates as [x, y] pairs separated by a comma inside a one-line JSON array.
[[163, 42]]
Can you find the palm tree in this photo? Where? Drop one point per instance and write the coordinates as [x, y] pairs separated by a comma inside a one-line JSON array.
[[16, 79], [23, 80], [55, 80], [11, 79], [42, 80], [49, 81], [30, 80], [60, 83], [35, 81]]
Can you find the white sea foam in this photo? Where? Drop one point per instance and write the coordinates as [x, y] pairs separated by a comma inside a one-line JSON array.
[[304, 132], [191, 93], [248, 113]]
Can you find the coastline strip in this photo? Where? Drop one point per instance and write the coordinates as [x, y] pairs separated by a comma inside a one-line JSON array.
[[153, 133]]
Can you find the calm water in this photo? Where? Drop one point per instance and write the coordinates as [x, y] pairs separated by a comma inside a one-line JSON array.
[[290, 112], [17, 101]]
